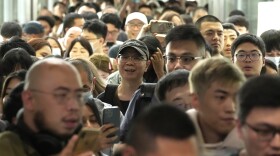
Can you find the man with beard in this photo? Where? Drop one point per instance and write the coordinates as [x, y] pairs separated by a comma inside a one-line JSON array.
[[52, 102], [211, 29]]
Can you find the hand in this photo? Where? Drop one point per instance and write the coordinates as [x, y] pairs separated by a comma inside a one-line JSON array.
[[104, 140], [68, 150], [158, 63]]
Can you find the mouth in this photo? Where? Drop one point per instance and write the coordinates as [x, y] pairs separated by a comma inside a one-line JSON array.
[[129, 70], [247, 68], [71, 123]]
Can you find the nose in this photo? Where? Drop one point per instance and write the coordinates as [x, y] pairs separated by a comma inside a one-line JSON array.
[[275, 142], [178, 64], [73, 104], [230, 106], [88, 124]]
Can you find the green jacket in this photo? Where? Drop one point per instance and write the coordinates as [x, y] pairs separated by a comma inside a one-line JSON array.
[[12, 145]]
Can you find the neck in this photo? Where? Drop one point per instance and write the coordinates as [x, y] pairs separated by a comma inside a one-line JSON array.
[[28, 120], [127, 89], [208, 133]]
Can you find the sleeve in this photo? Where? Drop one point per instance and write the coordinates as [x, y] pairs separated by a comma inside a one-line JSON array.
[[11, 145]]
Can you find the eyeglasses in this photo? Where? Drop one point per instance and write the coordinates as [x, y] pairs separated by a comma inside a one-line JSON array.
[[264, 134], [63, 96], [114, 32], [135, 59], [185, 60], [138, 25], [255, 56]]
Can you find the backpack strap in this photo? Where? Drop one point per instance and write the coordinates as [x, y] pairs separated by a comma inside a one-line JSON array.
[[110, 92]]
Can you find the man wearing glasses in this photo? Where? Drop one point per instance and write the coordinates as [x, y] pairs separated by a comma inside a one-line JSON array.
[[258, 116], [52, 101], [248, 53], [133, 24], [185, 46]]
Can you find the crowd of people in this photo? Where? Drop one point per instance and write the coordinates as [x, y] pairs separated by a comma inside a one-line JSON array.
[[204, 87]]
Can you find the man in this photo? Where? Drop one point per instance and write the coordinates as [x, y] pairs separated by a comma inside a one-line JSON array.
[[10, 29], [47, 22], [240, 22], [72, 20], [213, 84], [185, 46], [212, 30], [174, 88], [32, 29], [163, 131], [52, 111], [134, 23], [114, 24], [230, 34], [248, 53], [259, 111], [95, 32]]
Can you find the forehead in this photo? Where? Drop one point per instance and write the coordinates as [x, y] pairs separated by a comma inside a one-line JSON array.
[[263, 115], [211, 26], [183, 47], [247, 46], [229, 32], [135, 21], [111, 26], [87, 33]]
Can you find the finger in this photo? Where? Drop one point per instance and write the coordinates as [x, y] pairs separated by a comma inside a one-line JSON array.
[[70, 146], [106, 126]]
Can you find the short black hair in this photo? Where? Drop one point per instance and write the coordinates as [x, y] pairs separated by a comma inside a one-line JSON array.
[[14, 58], [163, 120], [206, 18], [10, 29], [69, 20], [87, 15], [271, 39], [238, 20], [113, 19], [48, 19], [258, 92], [170, 81], [257, 41], [236, 12], [186, 32], [97, 27], [93, 5], [230, 26], [15, 42], [269, 63]]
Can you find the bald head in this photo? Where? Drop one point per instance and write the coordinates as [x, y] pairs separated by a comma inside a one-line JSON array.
[[44, 71]]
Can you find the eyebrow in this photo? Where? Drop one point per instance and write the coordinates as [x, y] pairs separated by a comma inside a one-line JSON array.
[[68, 90], [221, 91], [243, 51]]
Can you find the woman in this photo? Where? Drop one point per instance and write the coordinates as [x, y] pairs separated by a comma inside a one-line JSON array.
[[79, 48], [41, 47], [56, 47]]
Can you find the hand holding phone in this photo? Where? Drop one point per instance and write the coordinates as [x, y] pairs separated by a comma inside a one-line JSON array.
[[88, 140], [161, 27], [111, 115]]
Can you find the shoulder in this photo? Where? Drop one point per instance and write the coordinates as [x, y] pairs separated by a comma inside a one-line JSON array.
[[11, 144]]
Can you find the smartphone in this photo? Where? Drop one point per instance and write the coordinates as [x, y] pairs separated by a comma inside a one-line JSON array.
[[88, 140], [112, 115], [161, 27]]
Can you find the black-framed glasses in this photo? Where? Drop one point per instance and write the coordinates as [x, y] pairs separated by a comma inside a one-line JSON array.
[[63, 96], [185, 59], [135, 59], [264, 134], [255, 56]]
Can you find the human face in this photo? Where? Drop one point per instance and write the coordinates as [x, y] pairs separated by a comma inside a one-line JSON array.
[[10, 86], [89, 118], [249, 67], [95, 41], [86, 9], [187, 147], [70, 35], [216, 107], [241, 29], [46, 26], [79, 22], [182, 48], [104, 75], [179, 96], [78, 51], [87, 85], [63, 94], [146, 11], [112, 33], [263, 119], [213, 34], [43, 52], [133, 28], [229, 36], [132, 70]]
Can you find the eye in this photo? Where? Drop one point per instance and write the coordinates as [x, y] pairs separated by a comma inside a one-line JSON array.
[[138, 58], [171, 58], [241, 55], [254, 55], [186, 58]]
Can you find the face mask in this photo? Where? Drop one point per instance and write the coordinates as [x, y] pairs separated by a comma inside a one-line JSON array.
[[56, 51], [275, 60]]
